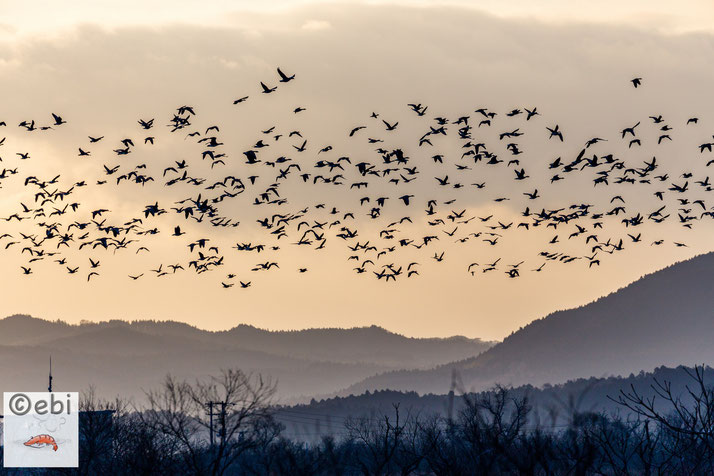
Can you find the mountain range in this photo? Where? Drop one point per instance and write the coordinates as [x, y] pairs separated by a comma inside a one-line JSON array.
[[127, 358], [664, 318], [551, 405]]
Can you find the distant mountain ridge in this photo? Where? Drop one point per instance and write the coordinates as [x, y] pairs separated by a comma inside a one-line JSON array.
[[119, 357], [665, 318], [551, 404]]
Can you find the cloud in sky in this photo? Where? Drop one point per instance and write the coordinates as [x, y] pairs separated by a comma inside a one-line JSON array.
[[316, 25], [46, 17]]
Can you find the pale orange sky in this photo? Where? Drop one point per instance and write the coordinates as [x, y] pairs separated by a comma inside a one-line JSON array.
[[103, 69], [47, 17]]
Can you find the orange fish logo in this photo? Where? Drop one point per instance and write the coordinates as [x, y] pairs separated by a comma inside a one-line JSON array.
[[41, 441]]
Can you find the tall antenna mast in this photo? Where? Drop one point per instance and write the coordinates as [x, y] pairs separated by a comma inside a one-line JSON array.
[[49, 388]]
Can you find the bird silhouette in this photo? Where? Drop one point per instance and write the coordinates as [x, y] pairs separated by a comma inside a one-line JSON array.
[[597, 193]]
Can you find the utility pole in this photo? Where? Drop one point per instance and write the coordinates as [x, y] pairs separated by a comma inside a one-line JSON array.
[[456, 384], [210, 420], [223, 422], [49, 387], [221, 419]]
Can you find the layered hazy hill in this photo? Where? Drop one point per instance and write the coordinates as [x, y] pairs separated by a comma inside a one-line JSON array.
[[665, 318], [124, 358], [551, 404]]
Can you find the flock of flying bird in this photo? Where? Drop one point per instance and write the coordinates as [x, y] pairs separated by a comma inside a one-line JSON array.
[[52, 226]]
